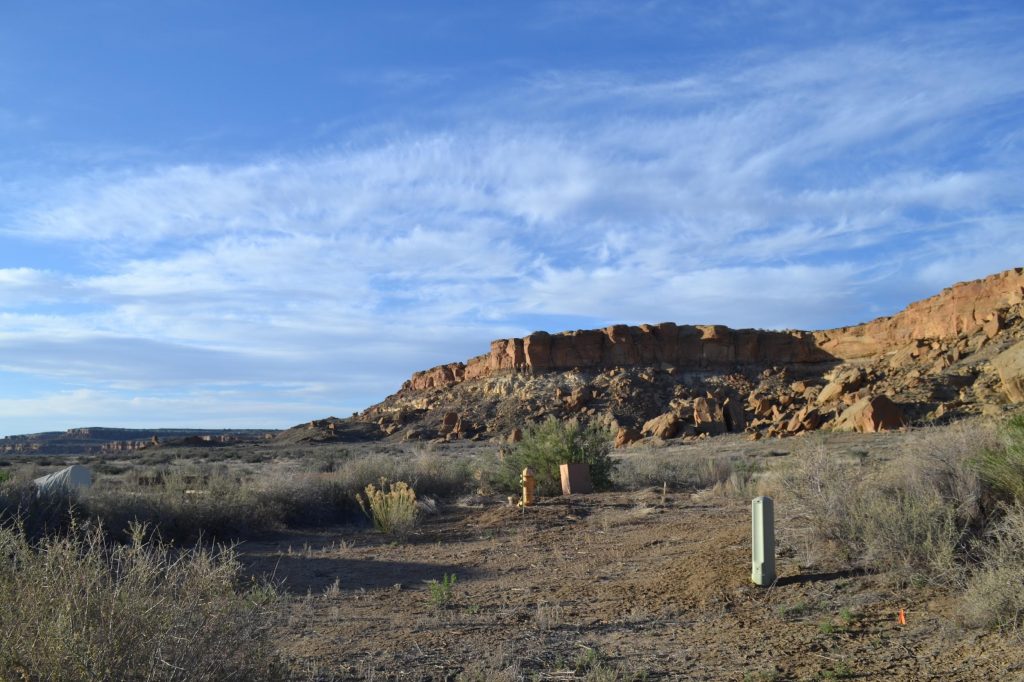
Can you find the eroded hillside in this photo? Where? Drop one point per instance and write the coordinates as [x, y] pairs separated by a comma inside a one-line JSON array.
[[952, 355]]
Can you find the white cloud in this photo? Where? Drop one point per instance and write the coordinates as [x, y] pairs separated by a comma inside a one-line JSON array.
[[803, 191]]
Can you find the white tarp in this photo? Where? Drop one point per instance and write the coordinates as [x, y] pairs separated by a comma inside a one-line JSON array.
[[72, 478]]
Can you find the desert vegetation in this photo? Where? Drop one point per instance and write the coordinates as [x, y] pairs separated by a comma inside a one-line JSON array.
[[551, 443], [948, 511], [933, 511], [78, 607]]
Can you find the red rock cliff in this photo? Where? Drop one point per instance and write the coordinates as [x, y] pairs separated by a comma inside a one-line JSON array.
[[963, 309]]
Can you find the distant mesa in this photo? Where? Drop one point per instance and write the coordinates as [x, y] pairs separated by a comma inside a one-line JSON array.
[[100, 440]]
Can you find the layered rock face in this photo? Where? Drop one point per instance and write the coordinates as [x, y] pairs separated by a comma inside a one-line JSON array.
[[682, 346], [962, 310], [957, 353]]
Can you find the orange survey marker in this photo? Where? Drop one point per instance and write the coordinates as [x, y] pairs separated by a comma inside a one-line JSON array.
[[901, 618]]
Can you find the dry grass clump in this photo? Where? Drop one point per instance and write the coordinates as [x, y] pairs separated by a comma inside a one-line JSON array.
[[994, 597], [913, 518], [428, 472], [643, 468], [392, 507], [215, 502], [76, 607]]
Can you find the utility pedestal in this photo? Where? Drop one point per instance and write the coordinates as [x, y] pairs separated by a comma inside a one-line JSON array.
[[762, 530]]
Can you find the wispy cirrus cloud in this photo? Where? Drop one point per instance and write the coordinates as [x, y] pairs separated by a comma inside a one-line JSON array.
[[776, 189]]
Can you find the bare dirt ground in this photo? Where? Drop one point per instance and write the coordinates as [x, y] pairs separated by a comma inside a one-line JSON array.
[[636, 585]]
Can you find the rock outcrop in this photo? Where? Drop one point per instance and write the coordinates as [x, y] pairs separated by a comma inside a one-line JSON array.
[[682, 346], [958, 353], [1010, 366], [964, 309]]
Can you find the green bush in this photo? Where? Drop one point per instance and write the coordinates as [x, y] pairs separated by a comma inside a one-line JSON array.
[[443, 591], [1002, 467], [76, 607], [547, 445]]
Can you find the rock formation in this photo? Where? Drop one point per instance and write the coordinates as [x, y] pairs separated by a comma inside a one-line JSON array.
[[957, 353]]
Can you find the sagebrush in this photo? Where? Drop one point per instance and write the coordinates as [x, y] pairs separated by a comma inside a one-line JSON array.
[[915, 518], [78, 607]]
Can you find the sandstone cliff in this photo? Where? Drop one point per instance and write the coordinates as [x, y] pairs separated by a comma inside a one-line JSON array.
[[932, 361]]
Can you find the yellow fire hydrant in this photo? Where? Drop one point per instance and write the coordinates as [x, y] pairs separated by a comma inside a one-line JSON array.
[[529, 488]]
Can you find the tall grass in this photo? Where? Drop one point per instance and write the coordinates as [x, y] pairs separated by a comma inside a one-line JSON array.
[[218, 503], [1002, 466], [994, 597], [392, 507], [76, 607], [680, 471], [914, 518]]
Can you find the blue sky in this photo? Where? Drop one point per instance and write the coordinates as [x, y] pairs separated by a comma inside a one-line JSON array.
[[258, 213]]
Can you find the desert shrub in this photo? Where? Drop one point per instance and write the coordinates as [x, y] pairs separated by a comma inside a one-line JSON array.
[[914, 518], [215, 502], [994, 596], [428, 473], [37, 514], [552, 442], [442, 591], [5, 475], [76, 607], [392, 507], [1001, 466], [645, 468], [221, 506]]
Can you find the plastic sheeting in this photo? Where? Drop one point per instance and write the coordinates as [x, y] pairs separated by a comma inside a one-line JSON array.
[[72, 478]]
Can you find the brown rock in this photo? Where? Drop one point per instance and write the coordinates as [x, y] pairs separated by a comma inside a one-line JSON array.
[[1010, 366], [625, 436], [992, 326], [449, 423], [515, 435], [735, 420], [708, 416], [664, 426], [960, 309], [761, 407], [869, 415], [844, 381]]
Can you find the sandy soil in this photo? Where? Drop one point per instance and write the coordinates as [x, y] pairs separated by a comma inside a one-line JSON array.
[[611, 586]]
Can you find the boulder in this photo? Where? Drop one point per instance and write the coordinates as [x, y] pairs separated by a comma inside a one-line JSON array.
[[735, 420], [992, 326], [708, 416], [870, 415], [662, 426], [844, 381], [761, 407], [449, 423], [1010, 366], [625, 435]]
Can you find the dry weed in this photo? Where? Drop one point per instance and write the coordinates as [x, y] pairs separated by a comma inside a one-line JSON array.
[[79, 608]]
